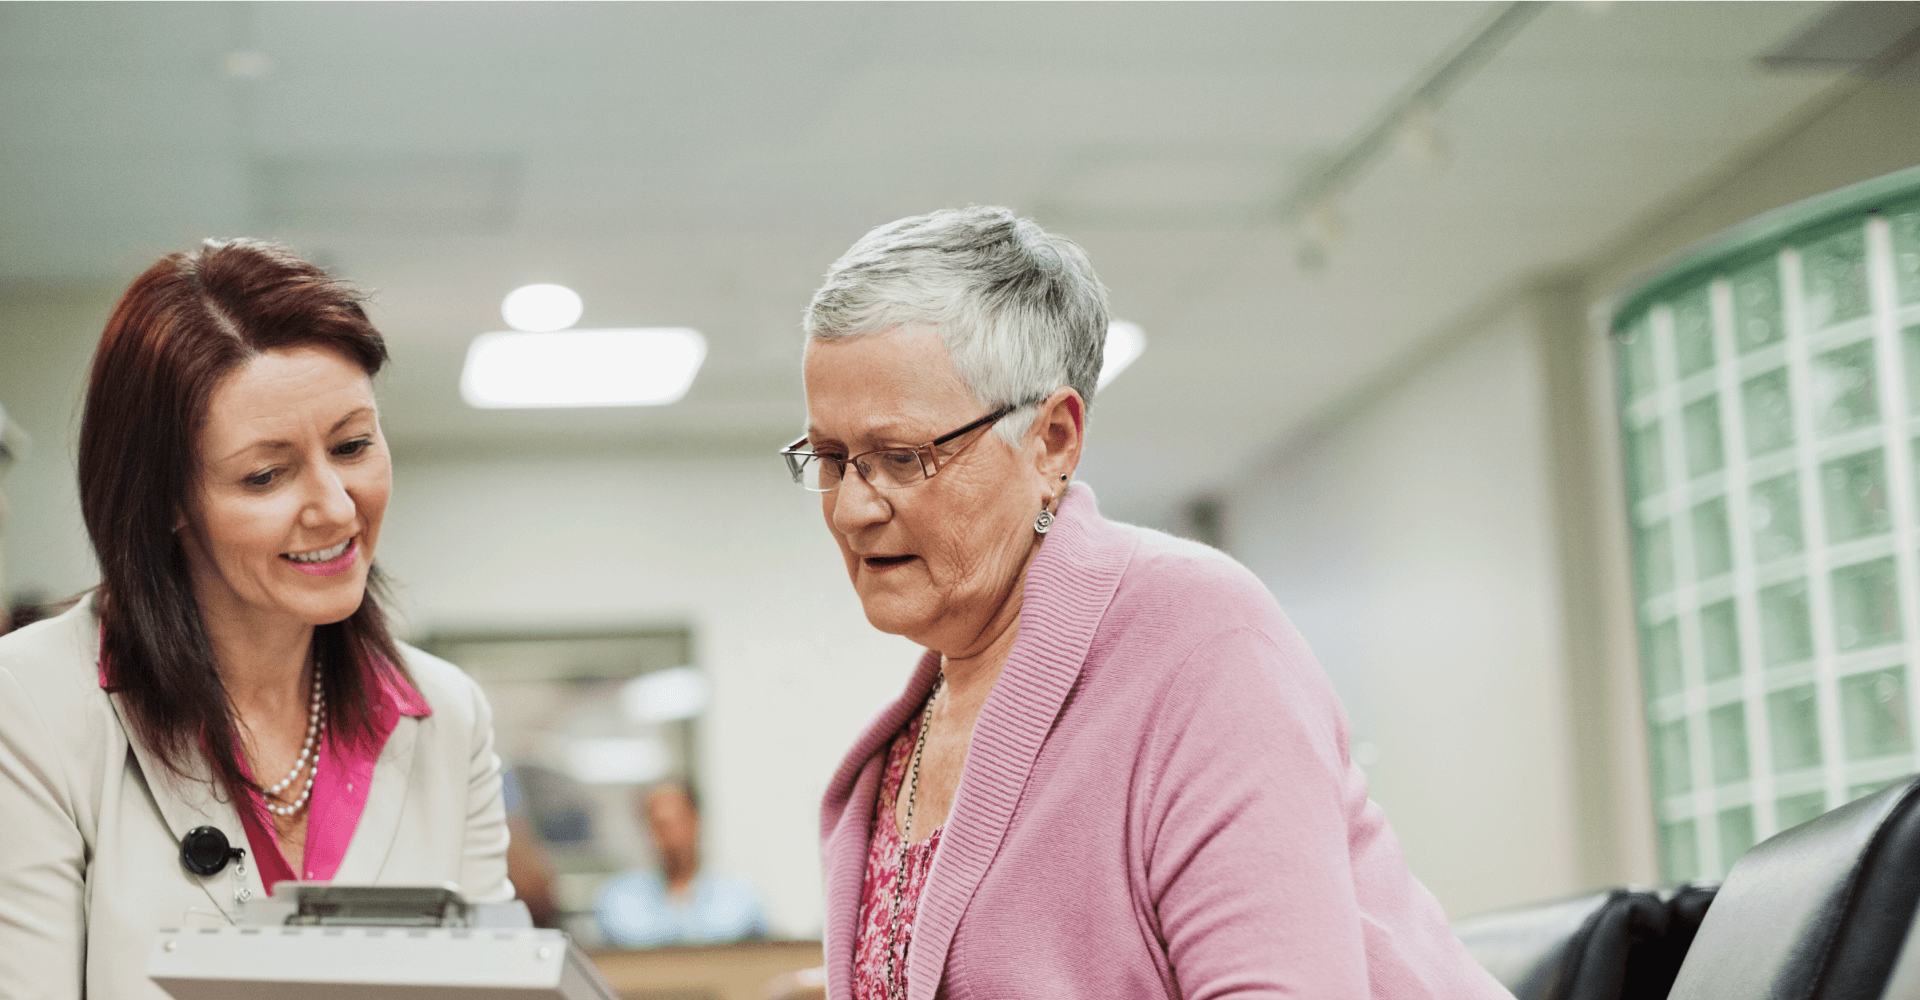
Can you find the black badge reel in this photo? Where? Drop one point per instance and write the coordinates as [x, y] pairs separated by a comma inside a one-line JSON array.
[[204, 851]]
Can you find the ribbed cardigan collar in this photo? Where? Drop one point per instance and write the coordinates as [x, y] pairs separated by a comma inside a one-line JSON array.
[[1069, 584]]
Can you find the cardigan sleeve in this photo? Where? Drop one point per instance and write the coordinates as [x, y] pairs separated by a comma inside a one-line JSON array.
[[43, 858], [1246, 847]]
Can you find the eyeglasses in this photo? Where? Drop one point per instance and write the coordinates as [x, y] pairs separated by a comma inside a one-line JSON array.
[[883, 468]]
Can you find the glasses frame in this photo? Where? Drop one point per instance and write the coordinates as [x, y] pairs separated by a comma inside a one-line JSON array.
[[928, 453]]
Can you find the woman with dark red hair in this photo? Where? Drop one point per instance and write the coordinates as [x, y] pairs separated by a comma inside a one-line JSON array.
[[228, 709]]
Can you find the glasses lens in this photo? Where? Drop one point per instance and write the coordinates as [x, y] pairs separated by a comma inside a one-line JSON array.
[[825, 472], [892, 469], [813, 472]]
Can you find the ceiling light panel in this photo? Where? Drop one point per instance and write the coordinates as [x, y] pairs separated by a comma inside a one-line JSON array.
[[541, 308], [1125, 343], [579, 368]]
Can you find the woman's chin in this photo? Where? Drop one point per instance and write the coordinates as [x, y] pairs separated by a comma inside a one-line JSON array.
[[330, 609], [893, 616]]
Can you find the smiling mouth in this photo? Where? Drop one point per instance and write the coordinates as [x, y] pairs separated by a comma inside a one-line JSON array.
[[886, 562], [319, 555]]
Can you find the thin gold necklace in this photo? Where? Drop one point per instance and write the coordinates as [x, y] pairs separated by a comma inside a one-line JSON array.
[[896, 983]]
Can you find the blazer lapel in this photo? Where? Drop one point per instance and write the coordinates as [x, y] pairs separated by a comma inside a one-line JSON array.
[[1068, 587], [190, 800], [379, 824]]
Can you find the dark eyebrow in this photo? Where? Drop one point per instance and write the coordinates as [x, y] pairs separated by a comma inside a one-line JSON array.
[[279, 445], [344, 421]]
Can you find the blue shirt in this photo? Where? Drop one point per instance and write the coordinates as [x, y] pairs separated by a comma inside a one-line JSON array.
[[636, 911]]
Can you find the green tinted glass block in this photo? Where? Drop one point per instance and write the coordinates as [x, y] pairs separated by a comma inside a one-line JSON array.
[[1866, 605], [1636, 360], [1712, 542], [1865, 789], [1873, 713], [1786, 628], [1719, 641], [1693, 332], [1906, 254], [1653, 553], [1769, 412], [1645, 476], [1756, 306], [1774, 507], [1736, 834], [1915, 445], [1855, 488], [1835, 275], [1793, 729], [1797, 809], [1672, 758], [1727, 729], [1660, 650], [1910, 357], [1844, 397], [1679, 852], [1701, 422]]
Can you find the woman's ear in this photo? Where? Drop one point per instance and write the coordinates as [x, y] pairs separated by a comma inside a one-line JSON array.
[[1059, 430]]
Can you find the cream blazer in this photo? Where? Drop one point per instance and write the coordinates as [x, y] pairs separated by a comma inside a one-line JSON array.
[[90, 825]]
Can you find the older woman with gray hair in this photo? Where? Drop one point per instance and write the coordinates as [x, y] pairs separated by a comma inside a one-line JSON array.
[[1117, 771]]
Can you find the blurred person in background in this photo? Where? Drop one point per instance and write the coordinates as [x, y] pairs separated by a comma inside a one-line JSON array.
[[529, 866], [679, 904], [206, 722], [1118, 771]]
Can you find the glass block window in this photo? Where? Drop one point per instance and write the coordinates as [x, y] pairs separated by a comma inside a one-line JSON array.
[[1770, 397]]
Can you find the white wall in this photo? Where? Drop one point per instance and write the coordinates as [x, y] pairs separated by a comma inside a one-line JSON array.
[[1410, 543], [727, 545]]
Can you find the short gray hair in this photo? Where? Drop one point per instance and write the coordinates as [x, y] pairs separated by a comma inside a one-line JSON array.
[[1019, 308]]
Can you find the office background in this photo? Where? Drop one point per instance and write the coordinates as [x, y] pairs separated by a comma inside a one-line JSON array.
[[1367, 244]]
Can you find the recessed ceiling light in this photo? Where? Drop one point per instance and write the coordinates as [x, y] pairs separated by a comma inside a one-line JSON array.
[[541, 308], [1125, 341], [648, 367]]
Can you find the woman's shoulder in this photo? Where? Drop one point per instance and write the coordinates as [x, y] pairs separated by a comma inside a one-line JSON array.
[[1182, 602], [1166, 570], [50, 686], [56, 660], [449, 692]]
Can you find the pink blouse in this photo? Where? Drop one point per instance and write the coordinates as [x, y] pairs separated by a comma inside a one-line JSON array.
[[883, 889], [343, 775]]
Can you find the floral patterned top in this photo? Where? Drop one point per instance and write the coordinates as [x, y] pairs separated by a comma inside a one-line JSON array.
[[878, 897]]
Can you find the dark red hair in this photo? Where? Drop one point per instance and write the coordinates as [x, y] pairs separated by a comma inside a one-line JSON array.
[[182, 327]]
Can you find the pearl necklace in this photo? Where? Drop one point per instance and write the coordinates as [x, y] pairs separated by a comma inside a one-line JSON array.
[[316, 726]]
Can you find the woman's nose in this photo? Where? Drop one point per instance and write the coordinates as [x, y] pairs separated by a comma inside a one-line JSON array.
[[856, 504], [331, 502]]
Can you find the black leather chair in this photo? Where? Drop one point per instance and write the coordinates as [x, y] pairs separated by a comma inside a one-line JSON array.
[[1617, 944], [1818, 912]]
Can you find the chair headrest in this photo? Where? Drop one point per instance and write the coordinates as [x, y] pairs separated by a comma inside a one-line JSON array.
[[1818, 911]]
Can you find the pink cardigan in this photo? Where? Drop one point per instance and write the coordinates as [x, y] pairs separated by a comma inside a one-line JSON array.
[[1157, 803]]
